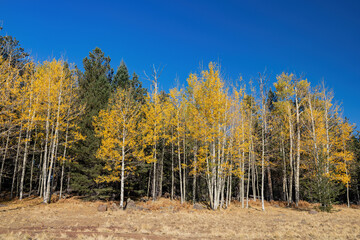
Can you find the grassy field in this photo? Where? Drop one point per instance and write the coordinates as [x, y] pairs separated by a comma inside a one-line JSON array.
[[165, 219]]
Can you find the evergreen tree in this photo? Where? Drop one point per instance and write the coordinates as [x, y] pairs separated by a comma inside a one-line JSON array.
[[355, 168], [122, 81], [10, 50], [121, 78], [95, 90]]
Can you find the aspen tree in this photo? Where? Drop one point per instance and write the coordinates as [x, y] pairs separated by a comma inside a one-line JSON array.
[[117, 127], [301, 88], [10, 101], [176, 99], [29, 93], [193, 126], [151, 124], [213, 104], [347, 156], [341, 159], [284, 91], [262, 82]]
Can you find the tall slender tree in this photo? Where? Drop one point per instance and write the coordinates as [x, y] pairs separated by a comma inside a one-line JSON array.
[[94, 92]]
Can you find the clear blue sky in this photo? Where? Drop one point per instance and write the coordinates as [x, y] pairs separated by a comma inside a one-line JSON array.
[[320, 39]]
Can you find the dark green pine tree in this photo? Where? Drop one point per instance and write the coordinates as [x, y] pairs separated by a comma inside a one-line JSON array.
[[95, 90], [10, 50], [122, 80], [355, 169]]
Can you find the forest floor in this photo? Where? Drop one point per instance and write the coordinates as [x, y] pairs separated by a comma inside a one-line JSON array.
[[165, 219]]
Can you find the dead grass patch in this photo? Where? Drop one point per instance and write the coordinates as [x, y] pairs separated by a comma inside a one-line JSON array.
[[165, 219]]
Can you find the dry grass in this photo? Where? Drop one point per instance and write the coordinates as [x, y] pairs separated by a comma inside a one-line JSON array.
[[165, 219]]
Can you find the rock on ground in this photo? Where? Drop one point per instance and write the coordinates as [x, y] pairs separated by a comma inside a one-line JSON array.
[[313, 212], [130, 204], [102, 208], [199, 206]]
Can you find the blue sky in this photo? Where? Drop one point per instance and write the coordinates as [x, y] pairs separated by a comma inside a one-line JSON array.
[[320, 39]]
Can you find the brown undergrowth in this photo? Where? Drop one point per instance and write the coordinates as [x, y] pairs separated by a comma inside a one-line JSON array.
[[165, 219]]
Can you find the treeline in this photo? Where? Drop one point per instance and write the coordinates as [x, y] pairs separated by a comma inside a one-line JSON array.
[[101, 135]]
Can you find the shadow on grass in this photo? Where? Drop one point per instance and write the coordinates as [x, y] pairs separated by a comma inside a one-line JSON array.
[[9, 203]]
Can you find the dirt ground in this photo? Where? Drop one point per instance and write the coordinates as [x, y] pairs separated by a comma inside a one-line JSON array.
[[165, 219]]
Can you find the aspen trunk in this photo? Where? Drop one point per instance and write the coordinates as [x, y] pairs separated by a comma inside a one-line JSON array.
[[24, 162], [63, 162], [242, 163], [248, 181], [32, 166], [257, 183], [209, 182], [16, 163], [45, 157], [253, 179], [291, 158], [263, 167], [149, 181], [316, 154], [347, 183], [161, 170], [263, 135], [27, 140], [243, 180], [155, 140], [180, 167], [172, 165], [53, 153], [284, 187], [184, 170], [4, 157], [230, 189], [327, 165], [40, 186], [297, 174], [154, 177], [195, 169], [62, 178], [122, 172]]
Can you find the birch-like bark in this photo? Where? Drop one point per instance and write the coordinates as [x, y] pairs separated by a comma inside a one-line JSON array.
[[122, 170], [54, 146], [161, 169], [263, 132], [248, 179], [242, 162], [16, 161], [32, 165], [27, 141], [41, 185], [4, 157], [316, 154], [297, 173], [45, 157], [291, 156], [195, 172], [154, 171], [24, 163], [284, 186], [172, 164], [184, 170], [149, 181], [243, 179], [63, 162], [180, 167]]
